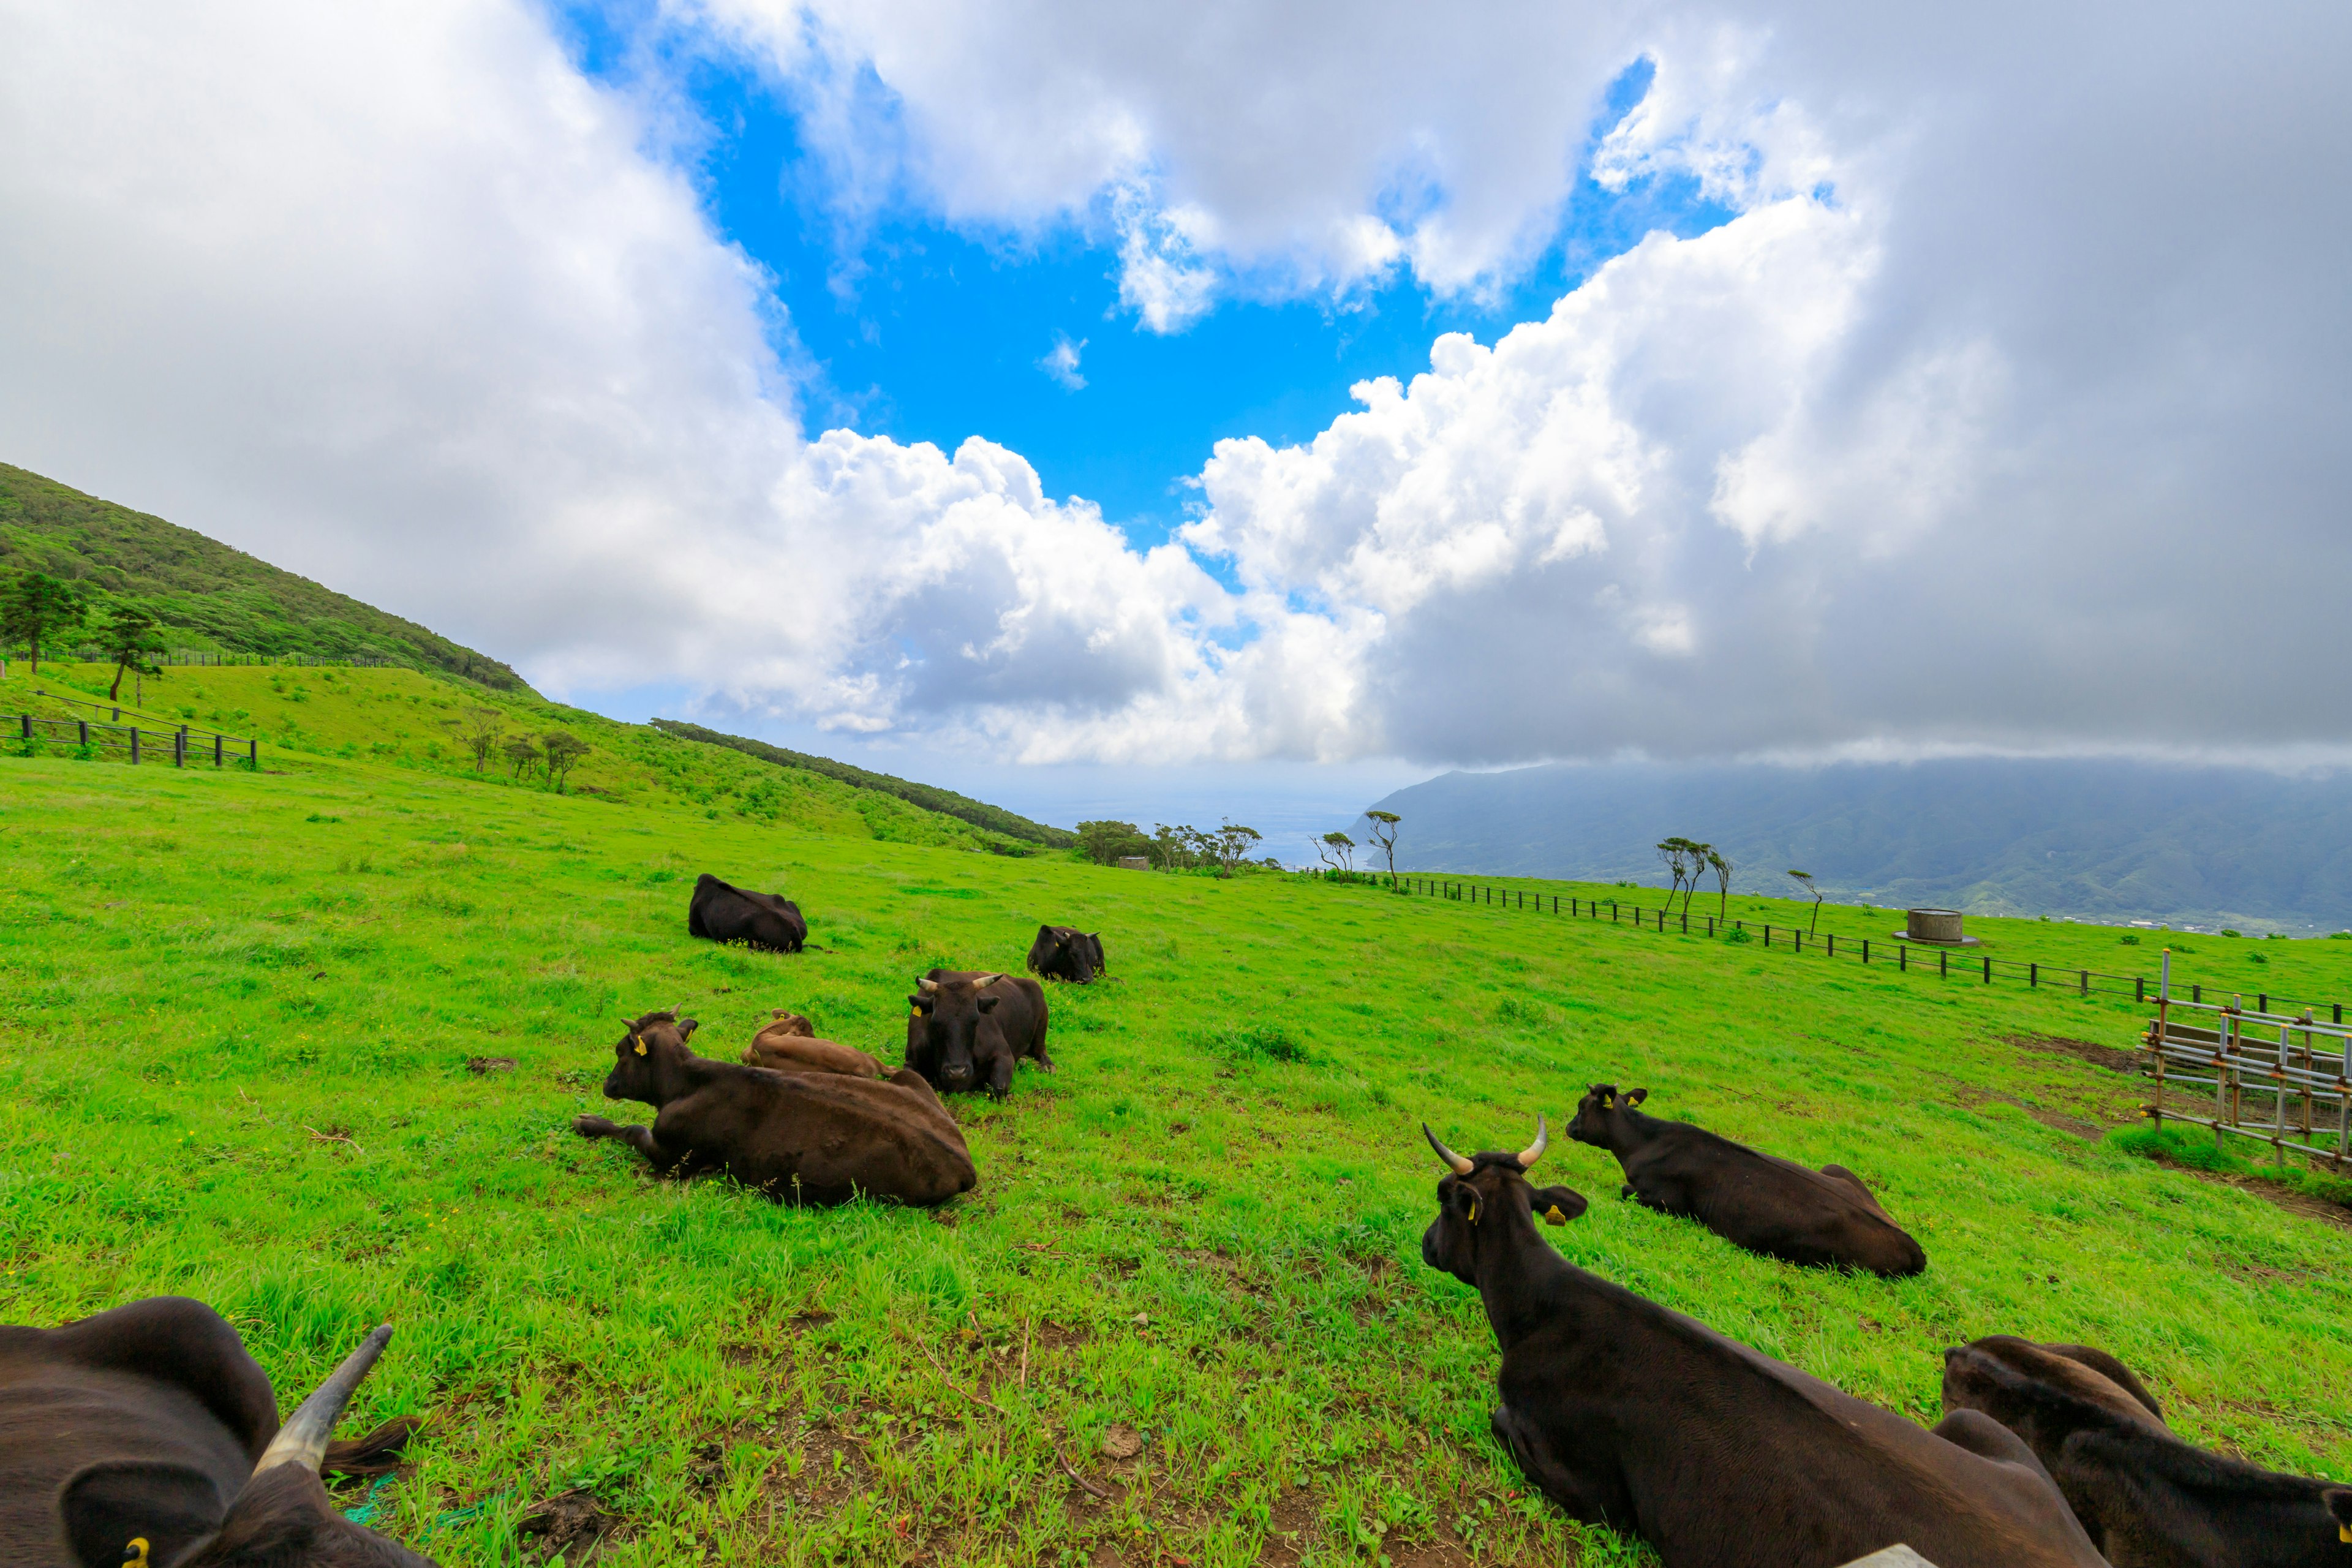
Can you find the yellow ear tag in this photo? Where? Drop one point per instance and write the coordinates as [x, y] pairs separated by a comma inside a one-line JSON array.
[[638, 1041], [137, 1547], [1474, 1208], [1553, 1214], [2344, 1532]]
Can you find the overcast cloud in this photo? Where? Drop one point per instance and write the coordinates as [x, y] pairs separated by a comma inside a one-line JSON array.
[[2007, 412]]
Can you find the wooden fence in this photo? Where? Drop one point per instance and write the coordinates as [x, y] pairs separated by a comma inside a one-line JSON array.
[[182, 744], [1905, 957], [2279, 1079], [207, 658]]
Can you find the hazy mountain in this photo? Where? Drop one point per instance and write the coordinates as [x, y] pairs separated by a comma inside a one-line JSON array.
[[2103, 840]]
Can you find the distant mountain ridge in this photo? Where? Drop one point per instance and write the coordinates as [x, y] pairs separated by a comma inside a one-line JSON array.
[[210, 597], [2095, 839]]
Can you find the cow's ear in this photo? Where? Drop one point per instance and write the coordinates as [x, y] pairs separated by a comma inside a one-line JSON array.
[[1557, 1205], [125, 1511], [2339, 1504], [686, 1027], [988, 1003], [919, 1004], [1638, 1095]]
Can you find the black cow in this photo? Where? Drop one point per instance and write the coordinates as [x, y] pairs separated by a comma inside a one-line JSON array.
[[147, 1435], [724, 912], [2146, 1497], [1749, 1198], [815, 1138], [969, 1026], [1066, 953], [1626, 1414]]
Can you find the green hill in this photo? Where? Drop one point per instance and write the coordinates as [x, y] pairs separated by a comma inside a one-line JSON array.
[[307, 1045], [212, 598], [980, 813]]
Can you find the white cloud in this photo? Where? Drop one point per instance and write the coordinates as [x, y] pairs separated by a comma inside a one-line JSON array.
[[2004, 414], [1061, 363]]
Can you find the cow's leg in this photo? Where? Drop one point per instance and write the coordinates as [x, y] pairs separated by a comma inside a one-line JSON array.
[[636, 1136], [1588, 1498]]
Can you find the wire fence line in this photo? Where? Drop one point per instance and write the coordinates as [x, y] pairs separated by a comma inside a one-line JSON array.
[[1904, 956], [99, 738], [206, 658]]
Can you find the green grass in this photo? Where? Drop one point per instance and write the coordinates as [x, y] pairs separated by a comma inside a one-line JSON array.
[[236, 1013]]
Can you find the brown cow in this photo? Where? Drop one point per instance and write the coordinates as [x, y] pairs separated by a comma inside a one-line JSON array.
[[1626, 1414], [798, 1137], [789, 1044], [1749, 1198], [2146, 1497], [148, 1435], [969, 1026]]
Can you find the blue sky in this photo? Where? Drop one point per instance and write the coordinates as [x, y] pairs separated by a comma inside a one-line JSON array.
[[912, 329]]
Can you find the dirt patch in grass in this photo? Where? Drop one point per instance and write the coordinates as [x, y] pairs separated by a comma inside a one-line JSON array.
[[2089, 1132], [1297, 1518], [573, 1523], [2107, 1057], [2310, 1207]]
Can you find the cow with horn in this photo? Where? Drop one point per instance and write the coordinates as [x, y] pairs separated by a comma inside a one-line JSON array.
[[966, 1028], [1628, 1415], [148, 1438]]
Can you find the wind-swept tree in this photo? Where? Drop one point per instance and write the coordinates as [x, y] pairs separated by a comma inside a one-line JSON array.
[[1700, 856], [1232, 844], [521, 753], [1805, 881], [37, 608], [1676, 854], [1383, 834], [1720, 863], [125, 635], [478, 732], [1338, 851], [561, 751]]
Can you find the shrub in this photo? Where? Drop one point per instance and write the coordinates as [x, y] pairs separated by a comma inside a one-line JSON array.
[[2129, 939], [2227, 932]]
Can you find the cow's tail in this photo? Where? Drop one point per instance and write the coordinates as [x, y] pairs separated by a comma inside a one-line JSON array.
[[378, 1453]]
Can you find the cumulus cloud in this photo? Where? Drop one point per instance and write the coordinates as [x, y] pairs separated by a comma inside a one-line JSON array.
[[2006, 410], [1061, 363]]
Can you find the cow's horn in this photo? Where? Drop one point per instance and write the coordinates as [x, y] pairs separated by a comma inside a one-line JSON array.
[[1534, 1152], [303, 1439], [926, 985], [1461, 1167], [985, 981]]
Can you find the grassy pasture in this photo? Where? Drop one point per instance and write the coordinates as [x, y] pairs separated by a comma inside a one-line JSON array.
[[235, 1018]]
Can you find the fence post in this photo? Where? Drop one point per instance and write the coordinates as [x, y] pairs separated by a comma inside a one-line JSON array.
[[2197, 996], [1988, 979], [85, 730], [218, 742], [1768, 936], [253, 754], [2033, 974], [1902, 958], [2262, 1001], [2086, 983], [28, 722], [134, 745], [2139, 990], [1832, 952]]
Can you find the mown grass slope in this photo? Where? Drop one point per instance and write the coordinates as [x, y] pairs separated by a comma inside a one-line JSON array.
[[236, 1019]]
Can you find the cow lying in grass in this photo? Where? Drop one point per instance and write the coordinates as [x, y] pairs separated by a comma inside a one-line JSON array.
[[1066, 953], [788, 1043], [1626, 1414], [798, 1137], [720, 912], [147, 1435], [1749, 1198], [2146, 1498], [969, 1026]]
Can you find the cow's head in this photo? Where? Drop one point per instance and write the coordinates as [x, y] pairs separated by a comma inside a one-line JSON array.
[[951, 1014], [164, 1515], [1489, 1194], [644, 1044], [786, 1021], [2033, 1390], [1601, 1115]]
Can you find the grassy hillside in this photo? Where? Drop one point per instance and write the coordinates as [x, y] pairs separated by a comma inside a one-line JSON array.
[[236, 1014], [412, 724], [209, 596], [980, 813]]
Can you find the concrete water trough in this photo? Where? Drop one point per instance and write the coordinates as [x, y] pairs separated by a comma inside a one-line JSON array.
[[1940, 927]]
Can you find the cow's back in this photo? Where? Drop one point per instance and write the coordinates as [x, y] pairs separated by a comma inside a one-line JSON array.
[[1770, 1205], [820, 1137]]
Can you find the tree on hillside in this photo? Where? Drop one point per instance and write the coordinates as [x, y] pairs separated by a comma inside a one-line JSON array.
[[561, 751], [1232, 844], [1172, 847], [1337, 851], [1675, 853], [37, 608], [125, 635], [1720, 863], [1105, 843], [1805, 881], [478, 732], [1701, 855], [1383, 834], [521, 753]]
